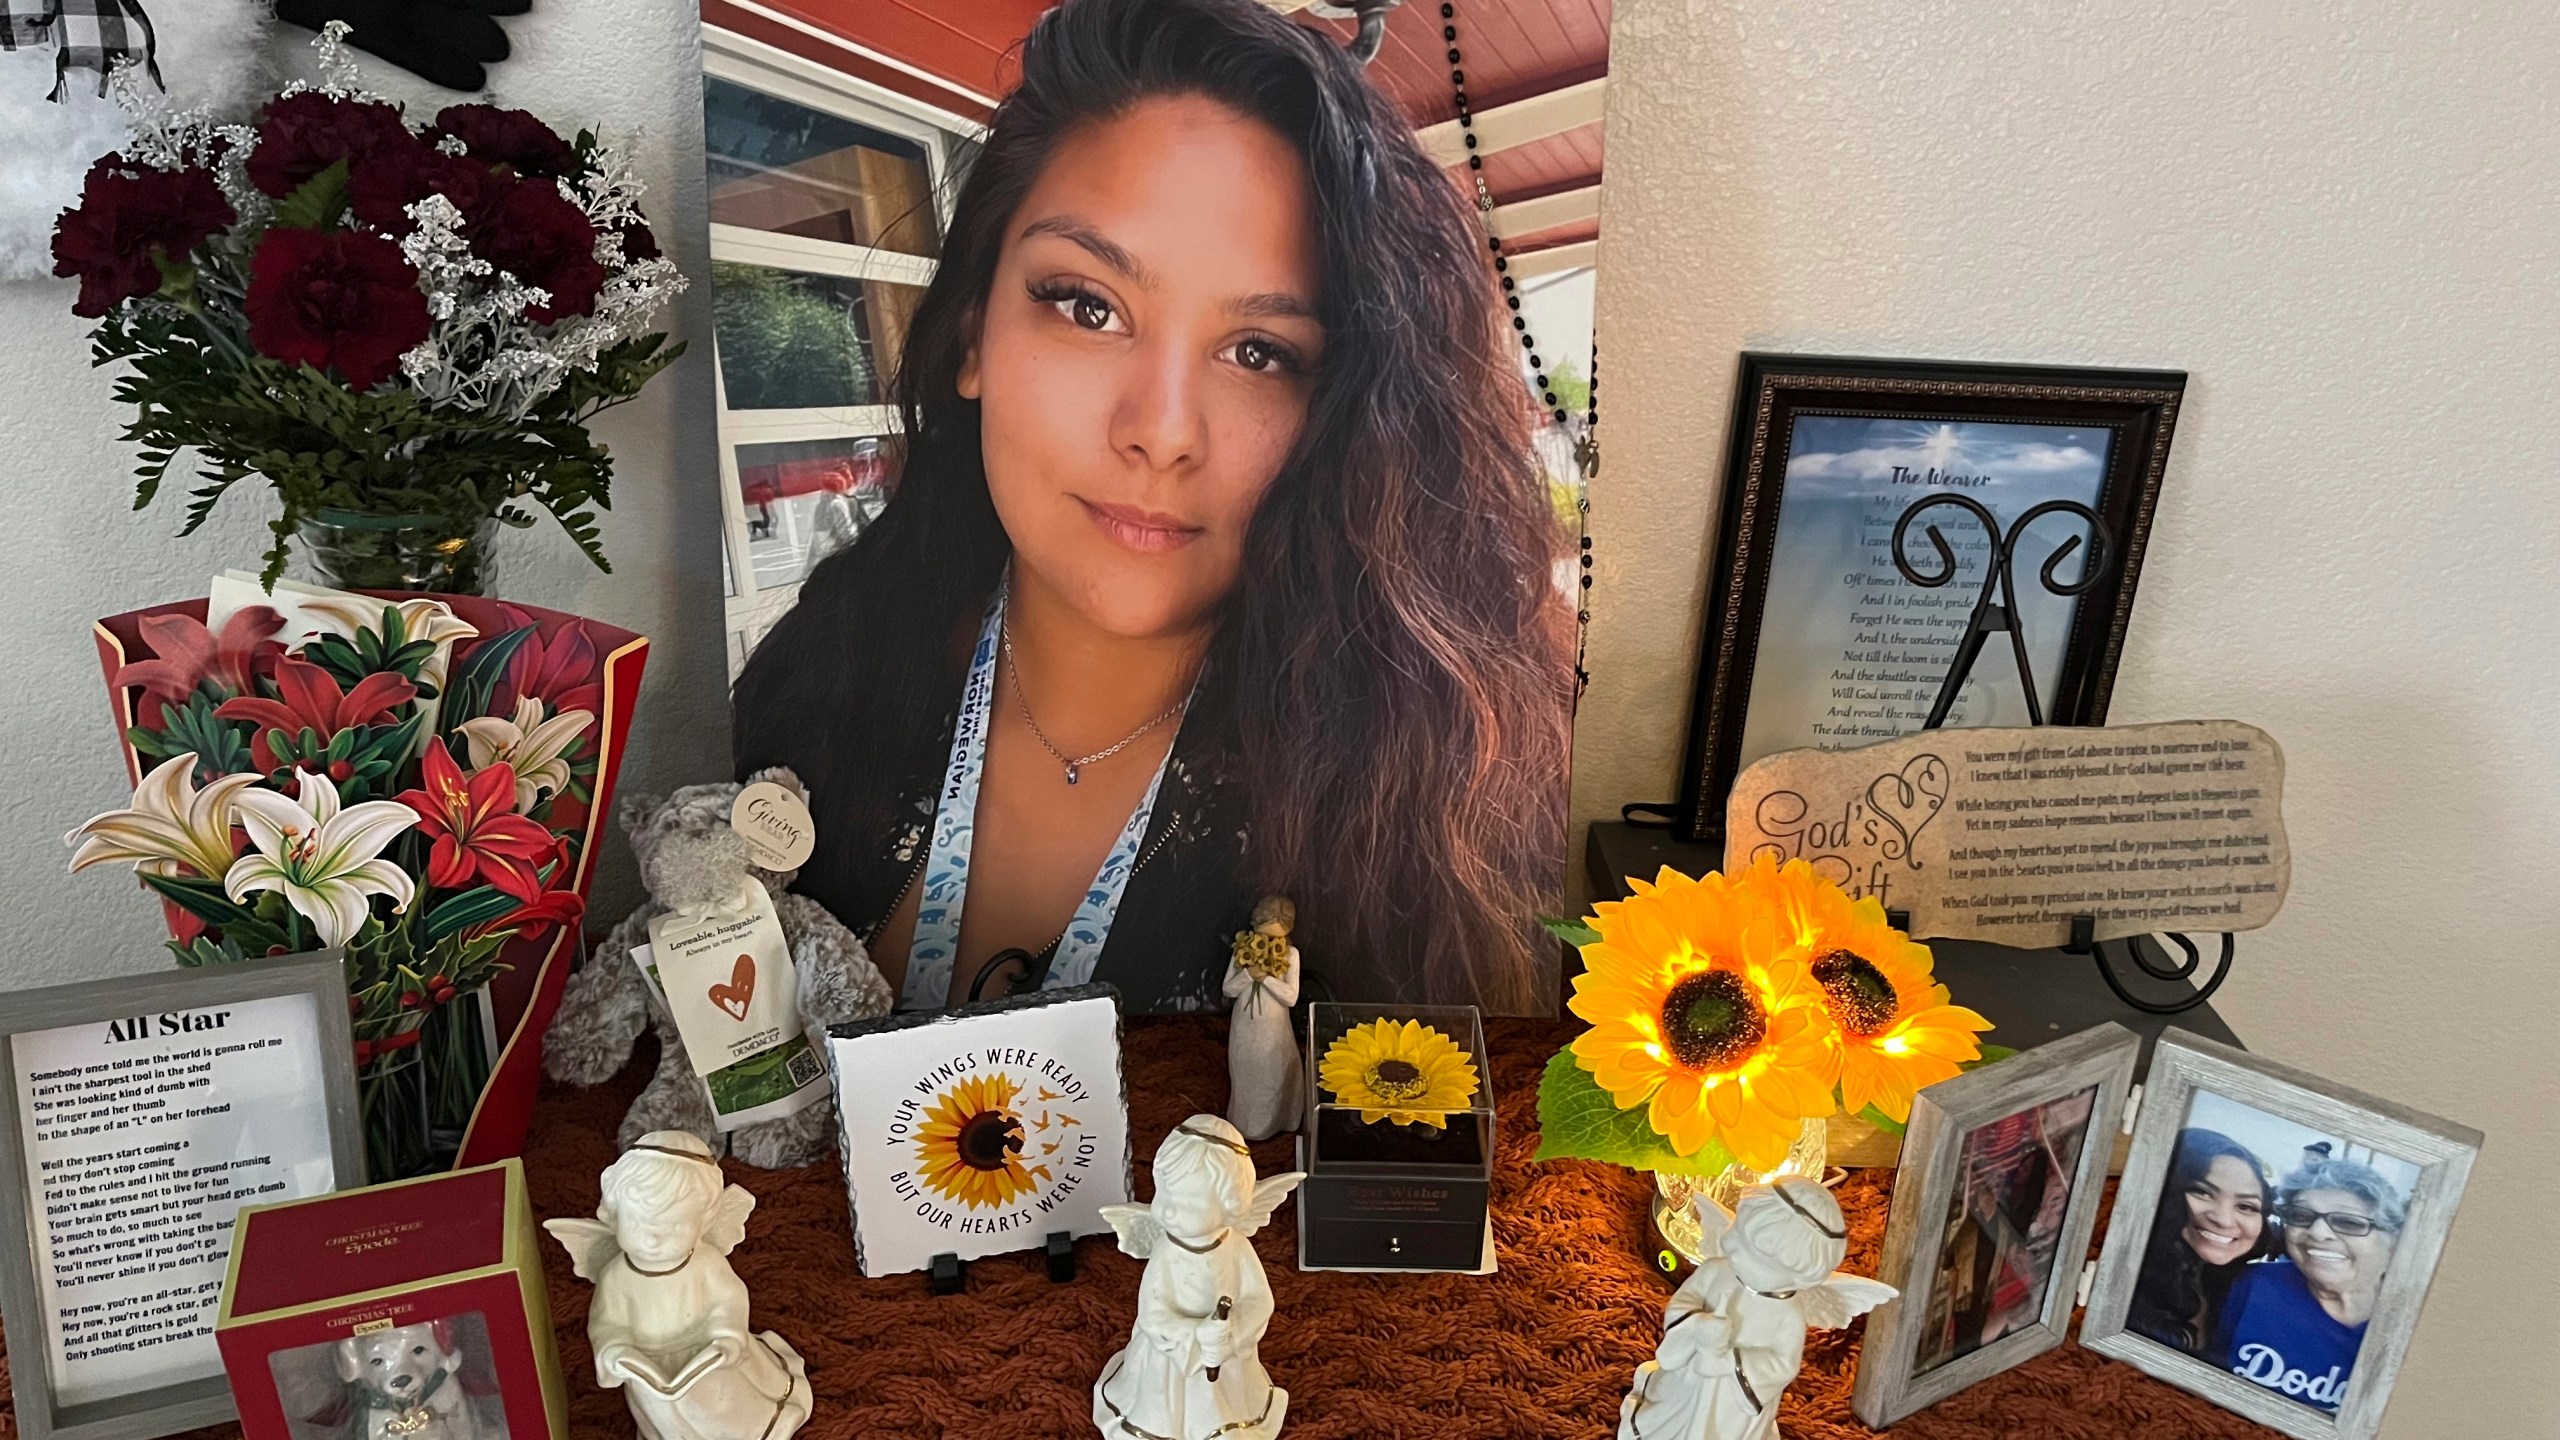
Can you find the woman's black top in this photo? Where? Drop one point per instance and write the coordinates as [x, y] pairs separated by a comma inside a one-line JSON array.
[[1169, 941]]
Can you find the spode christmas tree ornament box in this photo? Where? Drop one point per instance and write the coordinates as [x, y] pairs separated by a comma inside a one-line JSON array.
[[413, 1310]]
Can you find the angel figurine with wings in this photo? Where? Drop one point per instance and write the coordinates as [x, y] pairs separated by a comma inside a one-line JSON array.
[[1733, 1334], [669, 1317], [1190, 1368]]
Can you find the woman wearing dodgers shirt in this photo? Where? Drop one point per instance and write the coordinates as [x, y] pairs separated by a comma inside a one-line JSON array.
[[2294, 1324]]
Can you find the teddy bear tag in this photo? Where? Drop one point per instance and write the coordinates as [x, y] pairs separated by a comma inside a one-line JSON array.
[[734, 993], [727, 978], [775, 824]]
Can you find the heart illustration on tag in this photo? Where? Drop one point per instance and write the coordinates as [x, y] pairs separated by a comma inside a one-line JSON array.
[[1908, 800], [740, 988]]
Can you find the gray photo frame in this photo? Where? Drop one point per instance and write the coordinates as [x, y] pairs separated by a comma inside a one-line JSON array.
[[2440, 1152], [168, 1409], [2100, 1058]]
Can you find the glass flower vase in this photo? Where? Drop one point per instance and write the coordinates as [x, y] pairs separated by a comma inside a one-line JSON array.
[[455, 1051], [391, 1097], [355, 551], [1675, 1215]]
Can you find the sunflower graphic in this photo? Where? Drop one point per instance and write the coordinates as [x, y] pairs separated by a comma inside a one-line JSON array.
[[1892, 1028], [1408, 1073], [969, 1148], [1702, 1013]]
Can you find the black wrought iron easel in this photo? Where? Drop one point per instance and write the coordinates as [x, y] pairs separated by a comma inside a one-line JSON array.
[[1995, 611]]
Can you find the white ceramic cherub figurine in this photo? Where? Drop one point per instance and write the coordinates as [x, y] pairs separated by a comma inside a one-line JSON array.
[[1190, 1368], [669, 1317], [1266, 1081], [1733, 1334]]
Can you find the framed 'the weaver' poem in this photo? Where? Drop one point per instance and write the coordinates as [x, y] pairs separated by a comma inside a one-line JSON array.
[[1819, 630]]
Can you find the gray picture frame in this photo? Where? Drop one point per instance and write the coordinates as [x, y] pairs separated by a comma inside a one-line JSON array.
[[169, 1409], [1942, 1115], [2442, 1151]]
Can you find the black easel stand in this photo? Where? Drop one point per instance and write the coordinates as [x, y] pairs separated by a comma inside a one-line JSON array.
[[949, 1274], [1995, 611], [2182, 974]]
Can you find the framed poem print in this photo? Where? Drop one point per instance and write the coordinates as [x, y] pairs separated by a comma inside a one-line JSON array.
[[2273, 1238], [1832, 623], [2003, 1171], [142, 1113]]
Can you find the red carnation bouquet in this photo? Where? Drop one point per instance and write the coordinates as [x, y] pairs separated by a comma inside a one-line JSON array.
[[415, 780], [383, 319]]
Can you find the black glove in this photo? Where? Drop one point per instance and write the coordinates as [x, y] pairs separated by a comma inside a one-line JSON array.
[[447, 42]]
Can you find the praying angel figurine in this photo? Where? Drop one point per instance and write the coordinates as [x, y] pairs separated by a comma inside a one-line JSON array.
[[669, 1317], [1733, 1334], [1190, 1368]]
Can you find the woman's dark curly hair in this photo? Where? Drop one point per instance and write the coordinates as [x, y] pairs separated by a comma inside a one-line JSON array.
[[2177, 1297], [1395, 659]]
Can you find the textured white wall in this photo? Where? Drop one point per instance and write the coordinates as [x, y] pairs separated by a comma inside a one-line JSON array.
[[71, 550], [2344, 221]]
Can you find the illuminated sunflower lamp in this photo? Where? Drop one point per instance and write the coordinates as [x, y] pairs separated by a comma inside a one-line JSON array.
[[1731, 1018]]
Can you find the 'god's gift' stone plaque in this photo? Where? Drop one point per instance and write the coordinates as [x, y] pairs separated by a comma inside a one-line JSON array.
[[2007, 834]]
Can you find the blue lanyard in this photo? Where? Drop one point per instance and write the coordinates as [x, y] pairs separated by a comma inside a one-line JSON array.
[[936, 944]]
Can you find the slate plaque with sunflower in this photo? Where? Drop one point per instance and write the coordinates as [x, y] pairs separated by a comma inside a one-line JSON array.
[[1398, 1147], [982, 1129]]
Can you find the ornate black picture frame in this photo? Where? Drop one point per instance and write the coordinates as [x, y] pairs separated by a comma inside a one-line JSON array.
[[2096, 439]]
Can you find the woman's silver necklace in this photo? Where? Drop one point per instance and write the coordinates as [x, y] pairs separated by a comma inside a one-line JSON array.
[[1074, 763]]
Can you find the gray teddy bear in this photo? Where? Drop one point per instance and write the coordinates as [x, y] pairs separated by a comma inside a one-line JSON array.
[[689, 857]]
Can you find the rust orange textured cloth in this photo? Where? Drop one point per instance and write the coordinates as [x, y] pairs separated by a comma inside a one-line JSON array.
[[1542, 1351]]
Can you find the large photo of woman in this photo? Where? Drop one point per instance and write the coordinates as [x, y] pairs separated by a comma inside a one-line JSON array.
[[1218, 561]]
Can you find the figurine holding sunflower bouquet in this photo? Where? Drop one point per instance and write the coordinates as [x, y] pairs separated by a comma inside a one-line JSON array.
[[1732, 1015]]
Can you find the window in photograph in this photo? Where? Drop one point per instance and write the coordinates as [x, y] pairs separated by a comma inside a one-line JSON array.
[[2269, 1247], [2003, 1228], [808, 499], [434, 1377], [795, 341], [828, 198], [793, 169]]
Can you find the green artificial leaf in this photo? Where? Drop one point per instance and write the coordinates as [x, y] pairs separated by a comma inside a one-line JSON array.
[[1571, 932], [1991, 1054], [468, 689], [204, 899], [476, 906], [374, 651], [316, 203], [205, 950], [221, 747], [1577, 1120]]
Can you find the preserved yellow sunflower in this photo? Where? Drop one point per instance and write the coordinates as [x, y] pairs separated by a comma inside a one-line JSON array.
[[1408, 1073], [1699, 1010], [969, 1146], [1892, 1028]]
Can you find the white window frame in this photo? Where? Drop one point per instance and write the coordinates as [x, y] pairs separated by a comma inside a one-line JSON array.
[[771, 70]]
